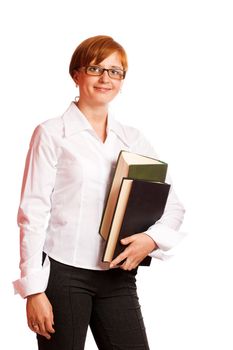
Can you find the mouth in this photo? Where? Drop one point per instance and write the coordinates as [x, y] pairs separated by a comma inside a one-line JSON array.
[[102, 89]]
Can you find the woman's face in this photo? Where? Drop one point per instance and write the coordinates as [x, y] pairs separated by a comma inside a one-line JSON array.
[[99, 90]]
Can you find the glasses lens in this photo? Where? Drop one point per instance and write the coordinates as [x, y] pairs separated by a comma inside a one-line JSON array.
[[116, 73], [94, 70]]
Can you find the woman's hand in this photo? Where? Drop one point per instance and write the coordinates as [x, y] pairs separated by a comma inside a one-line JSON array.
[[138, 247], [40, 314]]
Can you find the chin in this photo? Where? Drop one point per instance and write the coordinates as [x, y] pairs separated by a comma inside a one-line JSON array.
[[104, 99]]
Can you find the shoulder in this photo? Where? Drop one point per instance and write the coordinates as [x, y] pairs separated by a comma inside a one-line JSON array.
[[129, 134], [48, 132], [53, 126], [135, 140]]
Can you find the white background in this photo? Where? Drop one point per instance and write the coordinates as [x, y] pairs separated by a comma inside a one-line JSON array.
[[178, 91]]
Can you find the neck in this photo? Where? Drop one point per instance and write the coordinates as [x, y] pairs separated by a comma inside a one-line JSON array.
[[97, 117]]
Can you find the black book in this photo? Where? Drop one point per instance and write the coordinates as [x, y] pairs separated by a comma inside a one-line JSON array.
[[133, 166], [139, 205]]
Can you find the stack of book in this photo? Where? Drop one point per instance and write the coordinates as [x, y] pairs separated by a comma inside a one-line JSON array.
[[136, 200]]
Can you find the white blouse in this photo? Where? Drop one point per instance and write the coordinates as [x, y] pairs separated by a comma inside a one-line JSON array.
[[67, 177]]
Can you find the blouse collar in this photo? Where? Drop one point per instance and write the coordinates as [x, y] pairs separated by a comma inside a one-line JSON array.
[[75, 122]]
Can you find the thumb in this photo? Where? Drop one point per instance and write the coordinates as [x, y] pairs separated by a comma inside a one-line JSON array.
[[127, 240]]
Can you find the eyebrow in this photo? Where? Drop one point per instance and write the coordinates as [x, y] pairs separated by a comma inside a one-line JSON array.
[[117, 67]]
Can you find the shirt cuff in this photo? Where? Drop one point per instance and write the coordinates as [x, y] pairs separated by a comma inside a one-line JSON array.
[[166, 239], [33, 283]]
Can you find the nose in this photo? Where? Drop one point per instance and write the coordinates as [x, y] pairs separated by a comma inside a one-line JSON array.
[[104, 77]]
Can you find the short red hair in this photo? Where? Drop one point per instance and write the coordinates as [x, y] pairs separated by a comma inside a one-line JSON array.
[[95, 50]]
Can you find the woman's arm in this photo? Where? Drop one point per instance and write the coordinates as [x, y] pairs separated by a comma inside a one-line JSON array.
[[160, 237], [34, 210]]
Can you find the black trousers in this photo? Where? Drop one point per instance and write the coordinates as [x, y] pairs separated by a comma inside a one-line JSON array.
[[105, 300]]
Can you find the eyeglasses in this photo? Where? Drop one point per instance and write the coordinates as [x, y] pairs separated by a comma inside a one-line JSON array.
[[114, 73]]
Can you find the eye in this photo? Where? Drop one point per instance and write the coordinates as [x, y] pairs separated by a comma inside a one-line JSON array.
[[116, 72], [94, 69]]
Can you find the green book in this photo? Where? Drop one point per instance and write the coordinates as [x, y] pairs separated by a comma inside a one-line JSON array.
[[134, 166]]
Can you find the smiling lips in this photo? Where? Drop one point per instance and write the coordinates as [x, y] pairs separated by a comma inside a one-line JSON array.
[[102, 89]]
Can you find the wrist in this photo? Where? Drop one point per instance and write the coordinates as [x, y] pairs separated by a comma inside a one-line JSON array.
[[32, 296], [153, 244]]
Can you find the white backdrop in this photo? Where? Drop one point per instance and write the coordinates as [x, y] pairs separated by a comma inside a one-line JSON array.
[[178, 91]]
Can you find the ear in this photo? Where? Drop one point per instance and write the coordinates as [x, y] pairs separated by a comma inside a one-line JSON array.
[[76, 77]]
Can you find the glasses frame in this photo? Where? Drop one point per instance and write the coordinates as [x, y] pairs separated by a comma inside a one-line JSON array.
[[103, 70]]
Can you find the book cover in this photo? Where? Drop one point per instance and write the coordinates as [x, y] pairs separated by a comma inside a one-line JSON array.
[[135, 166], [139, 205]]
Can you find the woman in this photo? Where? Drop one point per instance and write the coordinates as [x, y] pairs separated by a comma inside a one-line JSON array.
[[68, 171]]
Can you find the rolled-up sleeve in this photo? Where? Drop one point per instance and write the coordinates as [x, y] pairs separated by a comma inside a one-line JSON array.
[[165, 232], [34, 209]]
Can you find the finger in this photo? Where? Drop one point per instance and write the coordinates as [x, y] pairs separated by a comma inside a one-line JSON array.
[[125, 266], [49, 326], [34, 327], [39, 328], [46, 329], [44, 332], [118, 260], [129, 264], [52, 317], [128, 240]]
